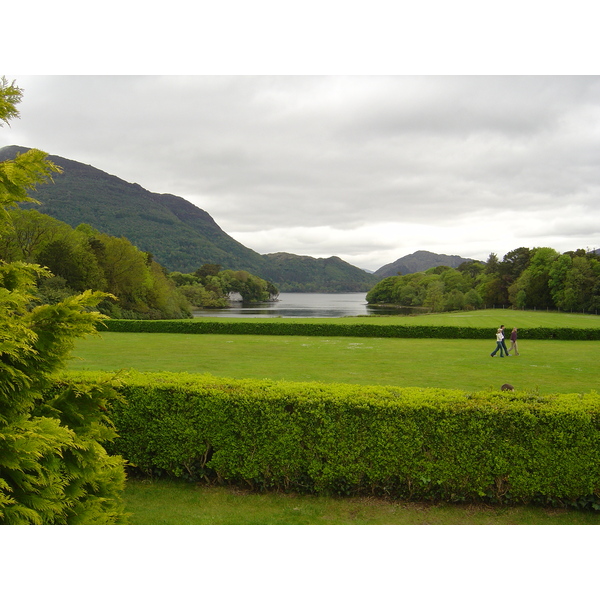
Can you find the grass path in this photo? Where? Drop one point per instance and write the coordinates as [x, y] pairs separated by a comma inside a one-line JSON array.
[[546, 366]]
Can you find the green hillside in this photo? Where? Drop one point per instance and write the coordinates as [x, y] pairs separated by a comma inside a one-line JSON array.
[[417, 262], [180, 236], [295, 273]]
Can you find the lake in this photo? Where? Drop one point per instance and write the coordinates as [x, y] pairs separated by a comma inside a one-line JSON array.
[[302, 305]]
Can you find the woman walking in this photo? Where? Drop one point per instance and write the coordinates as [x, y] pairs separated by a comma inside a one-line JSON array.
[[499, 344]]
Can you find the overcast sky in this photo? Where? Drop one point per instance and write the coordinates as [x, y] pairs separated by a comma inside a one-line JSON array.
[[367, 168]]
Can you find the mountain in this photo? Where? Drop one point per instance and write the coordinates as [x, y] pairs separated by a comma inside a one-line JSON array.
[[181, 236], [417, 262], [316, 274]]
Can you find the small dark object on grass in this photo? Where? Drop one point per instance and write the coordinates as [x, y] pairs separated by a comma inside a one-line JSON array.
[[507, 387]]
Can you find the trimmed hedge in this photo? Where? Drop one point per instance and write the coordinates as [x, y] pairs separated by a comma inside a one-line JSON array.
[[258, 327], [411, 443]]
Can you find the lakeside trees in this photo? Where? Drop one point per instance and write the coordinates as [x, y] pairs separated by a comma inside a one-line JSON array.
[[84, 258], [210, 287], [525, 278]]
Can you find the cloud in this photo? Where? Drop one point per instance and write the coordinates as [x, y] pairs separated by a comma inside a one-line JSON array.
[[368, 168]]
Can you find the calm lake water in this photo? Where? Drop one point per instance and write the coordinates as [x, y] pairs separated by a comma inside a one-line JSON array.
[[301, 305]]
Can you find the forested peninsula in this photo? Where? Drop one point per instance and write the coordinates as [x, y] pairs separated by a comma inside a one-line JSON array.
[[538, 278]]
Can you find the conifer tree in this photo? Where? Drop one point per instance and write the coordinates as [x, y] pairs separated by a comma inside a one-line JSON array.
[[53, 466]]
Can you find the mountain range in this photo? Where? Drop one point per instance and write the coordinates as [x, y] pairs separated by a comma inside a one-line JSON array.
[[182, 237]]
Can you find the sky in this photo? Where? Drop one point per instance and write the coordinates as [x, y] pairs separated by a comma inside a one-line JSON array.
[[331, 130], [367, 168]]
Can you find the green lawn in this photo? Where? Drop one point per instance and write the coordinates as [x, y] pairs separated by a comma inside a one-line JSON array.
[[491, 318], [546, 366], [163, 502]]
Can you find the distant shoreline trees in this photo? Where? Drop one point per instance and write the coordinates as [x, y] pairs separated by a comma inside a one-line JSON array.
[[525, 278]]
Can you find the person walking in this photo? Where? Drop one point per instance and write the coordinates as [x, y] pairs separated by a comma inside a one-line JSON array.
[[499, 342], [503, 342], [513, 341]]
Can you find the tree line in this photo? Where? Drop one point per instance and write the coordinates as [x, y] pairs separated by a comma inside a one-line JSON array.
[[138, 287], [525, 278]]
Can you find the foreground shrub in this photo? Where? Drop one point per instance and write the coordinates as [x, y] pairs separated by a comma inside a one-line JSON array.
[[54, 468], [346, 439]]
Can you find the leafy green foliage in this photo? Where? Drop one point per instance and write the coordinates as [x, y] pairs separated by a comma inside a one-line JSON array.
[[53, 467], [279, 327], [333, 438], [84, 258], [10, 96], [538, 278], [210, 287]]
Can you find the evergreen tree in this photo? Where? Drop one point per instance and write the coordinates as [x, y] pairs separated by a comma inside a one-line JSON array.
[[53, 466]]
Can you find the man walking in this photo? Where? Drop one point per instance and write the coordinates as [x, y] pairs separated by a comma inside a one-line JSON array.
[[503, 342], [513, 340]]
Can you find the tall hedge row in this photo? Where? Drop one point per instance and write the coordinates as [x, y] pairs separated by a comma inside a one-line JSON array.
[[259, 327], [411, 443]]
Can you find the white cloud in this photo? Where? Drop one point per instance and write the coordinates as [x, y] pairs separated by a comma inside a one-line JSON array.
[[366, 168]]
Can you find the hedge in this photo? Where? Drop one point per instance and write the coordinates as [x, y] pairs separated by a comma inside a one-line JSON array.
[[258, 327], [410, 443]]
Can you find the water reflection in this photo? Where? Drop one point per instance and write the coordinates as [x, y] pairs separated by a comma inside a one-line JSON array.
[[304, 305]]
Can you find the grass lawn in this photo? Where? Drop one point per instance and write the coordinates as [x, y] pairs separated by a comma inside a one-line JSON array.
[[163, 502], [548, 366], [491, 318]]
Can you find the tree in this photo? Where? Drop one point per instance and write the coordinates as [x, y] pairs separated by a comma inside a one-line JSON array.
[[557, 281], [573, 280], [383, 291], [473, 300], [536, 277], [30, 232], [206, 270], [492, 265], [53, 465], [471, 268], [435, 296], [515, 262]]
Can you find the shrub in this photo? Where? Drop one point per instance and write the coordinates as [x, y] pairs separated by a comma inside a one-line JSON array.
[[345, 439], [259, 327]]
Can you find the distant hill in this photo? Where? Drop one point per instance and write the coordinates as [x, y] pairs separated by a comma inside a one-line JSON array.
[[417, 262], [180, 236], [316, 274]]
